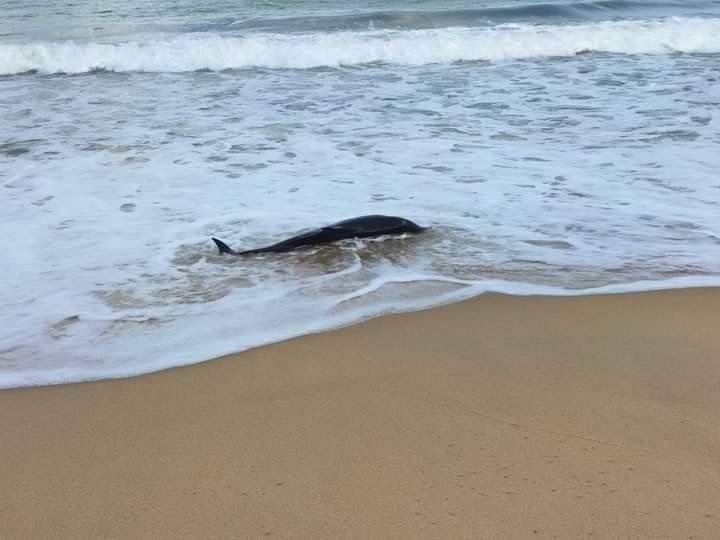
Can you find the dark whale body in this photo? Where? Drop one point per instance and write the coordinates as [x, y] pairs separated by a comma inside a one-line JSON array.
[[359, 227]]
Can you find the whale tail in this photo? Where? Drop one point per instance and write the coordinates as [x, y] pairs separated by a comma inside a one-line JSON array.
[[223, 247]]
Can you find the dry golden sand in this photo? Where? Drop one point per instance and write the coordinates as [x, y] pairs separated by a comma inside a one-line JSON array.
[[496, 417]]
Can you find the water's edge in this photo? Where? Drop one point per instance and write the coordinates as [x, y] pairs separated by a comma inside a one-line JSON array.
[[53, 378]]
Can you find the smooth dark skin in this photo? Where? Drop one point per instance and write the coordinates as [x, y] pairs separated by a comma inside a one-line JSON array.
[[359, 227]]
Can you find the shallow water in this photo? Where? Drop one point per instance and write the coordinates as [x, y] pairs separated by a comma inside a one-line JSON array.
[[554, 148]]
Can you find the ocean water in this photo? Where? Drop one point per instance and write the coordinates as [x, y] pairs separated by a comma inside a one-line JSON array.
[[557, 147]]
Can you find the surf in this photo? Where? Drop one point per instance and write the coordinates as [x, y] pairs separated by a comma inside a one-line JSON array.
[[508, 42]]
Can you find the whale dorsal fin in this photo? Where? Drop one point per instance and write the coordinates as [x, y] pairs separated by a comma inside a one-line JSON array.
[[223, 247]]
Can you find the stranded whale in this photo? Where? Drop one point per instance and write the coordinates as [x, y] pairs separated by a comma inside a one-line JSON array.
[[359, 227]]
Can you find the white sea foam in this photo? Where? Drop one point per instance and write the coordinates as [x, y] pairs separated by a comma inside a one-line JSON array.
[[411, 47], [226, 329]]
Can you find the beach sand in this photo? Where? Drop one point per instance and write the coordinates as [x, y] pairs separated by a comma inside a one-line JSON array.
[[495, 417]]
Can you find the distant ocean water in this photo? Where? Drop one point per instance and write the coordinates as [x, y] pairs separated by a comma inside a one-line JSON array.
[[554, 147]]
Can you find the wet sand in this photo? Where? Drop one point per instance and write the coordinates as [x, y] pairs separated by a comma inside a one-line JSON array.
[[496, 417]]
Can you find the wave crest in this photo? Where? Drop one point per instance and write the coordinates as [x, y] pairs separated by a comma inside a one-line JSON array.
[[412, 47]]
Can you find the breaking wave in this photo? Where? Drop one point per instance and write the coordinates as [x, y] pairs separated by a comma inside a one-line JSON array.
[[336, 49]]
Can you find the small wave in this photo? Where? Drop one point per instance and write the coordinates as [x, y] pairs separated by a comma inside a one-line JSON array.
[[412, 47], [406, 19]]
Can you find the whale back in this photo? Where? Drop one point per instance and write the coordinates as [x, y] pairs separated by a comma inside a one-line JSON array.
[[376, 225]]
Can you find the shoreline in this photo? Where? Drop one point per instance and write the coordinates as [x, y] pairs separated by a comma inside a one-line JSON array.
[[333, 323], [494, 416]]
